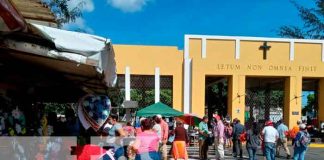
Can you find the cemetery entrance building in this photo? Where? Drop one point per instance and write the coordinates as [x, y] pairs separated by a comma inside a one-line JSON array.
[[280, 71]]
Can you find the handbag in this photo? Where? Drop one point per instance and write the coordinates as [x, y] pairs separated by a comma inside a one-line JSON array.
[[242, 137], [171, 138]]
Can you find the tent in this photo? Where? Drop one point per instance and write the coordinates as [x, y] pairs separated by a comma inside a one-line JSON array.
[[158, 108], [56, 65]]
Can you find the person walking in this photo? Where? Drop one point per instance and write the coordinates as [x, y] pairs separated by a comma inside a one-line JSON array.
[[129, 130], [218, 131], [302, 141], [234, 147], [282, 140], [115, 134], [294, 132], [270, 135], [238, 130], [228, 134], [164, 136], [146, 144], [203, 135], [157, 127], [253, 141], [179, 150]]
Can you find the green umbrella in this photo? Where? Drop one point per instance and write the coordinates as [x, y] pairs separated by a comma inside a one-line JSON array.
[[158, 108]]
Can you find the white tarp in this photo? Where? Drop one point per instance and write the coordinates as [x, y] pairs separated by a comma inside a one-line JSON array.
[[75, 42], [81, 48]]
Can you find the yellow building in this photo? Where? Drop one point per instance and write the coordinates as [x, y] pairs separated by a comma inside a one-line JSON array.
[[289, 66]]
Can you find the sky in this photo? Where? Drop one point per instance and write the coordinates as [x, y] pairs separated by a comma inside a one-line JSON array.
[[165, 22]]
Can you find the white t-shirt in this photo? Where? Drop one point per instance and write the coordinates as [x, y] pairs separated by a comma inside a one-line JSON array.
[[157, 128], [270, 134]]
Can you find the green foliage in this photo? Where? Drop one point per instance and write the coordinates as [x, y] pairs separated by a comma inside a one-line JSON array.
[[310, 104], [166, 96], [63, 13], [146, 97], [116, 96], [313, 19], [217, 98], [56, 107]]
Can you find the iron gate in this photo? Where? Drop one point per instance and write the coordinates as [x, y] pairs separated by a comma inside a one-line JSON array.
[[264, 104], [142, 89]]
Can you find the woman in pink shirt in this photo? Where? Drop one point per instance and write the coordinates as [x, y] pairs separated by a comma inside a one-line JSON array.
[[129, 130], [147, 142]]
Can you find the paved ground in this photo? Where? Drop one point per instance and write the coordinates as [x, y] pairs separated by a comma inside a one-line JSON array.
[[311, 154]]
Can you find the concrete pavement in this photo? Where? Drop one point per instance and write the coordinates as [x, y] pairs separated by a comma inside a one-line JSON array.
[[314, 152]]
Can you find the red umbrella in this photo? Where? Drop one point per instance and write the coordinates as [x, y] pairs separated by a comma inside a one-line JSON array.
[[190, 119]]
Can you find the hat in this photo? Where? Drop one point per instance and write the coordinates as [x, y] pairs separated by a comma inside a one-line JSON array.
[[302, 126], [216, 116], [141, 119], [159, 116], [269, 123]]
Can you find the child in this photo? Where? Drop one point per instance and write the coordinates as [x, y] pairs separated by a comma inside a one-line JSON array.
[[228, 134]]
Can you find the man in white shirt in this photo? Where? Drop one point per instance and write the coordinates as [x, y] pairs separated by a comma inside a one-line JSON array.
[[270, 135], [157, 127]]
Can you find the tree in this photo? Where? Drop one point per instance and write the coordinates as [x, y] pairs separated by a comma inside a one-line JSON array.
[[147, 97], [313, 19], [58, 108], [63, 12], [310, 104]]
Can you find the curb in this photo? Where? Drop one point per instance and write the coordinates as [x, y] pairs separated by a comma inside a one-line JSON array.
[[316, 145]]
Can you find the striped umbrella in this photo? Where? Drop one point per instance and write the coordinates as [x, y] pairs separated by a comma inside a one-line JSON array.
[[191, 119]]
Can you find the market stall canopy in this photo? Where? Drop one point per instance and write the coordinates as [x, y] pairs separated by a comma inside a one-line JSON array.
[[81, 60], [158, 108], [72, 52], [50, 64], [35, 11]]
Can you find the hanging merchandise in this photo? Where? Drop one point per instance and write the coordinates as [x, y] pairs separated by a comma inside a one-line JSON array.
[[2, 123], [93, 111], [17, 123]]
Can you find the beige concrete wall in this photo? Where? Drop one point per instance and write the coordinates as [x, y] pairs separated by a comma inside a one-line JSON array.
[[142, 60], [220, 61]]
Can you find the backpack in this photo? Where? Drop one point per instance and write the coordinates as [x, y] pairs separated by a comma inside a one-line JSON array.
[[243, 137], [304, 139]]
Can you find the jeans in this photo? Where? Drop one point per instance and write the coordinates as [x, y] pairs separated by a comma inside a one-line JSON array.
[[270, 150], [299, 153], [219, 149], [234, 148], [203, 149], [252, 153], [119, 153], [148, 156], [238, 147]]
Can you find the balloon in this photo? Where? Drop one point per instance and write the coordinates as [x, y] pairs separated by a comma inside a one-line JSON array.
[[94, 110]]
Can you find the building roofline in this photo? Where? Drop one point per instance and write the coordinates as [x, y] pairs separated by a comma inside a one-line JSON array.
[[246, 38], [238, 39]]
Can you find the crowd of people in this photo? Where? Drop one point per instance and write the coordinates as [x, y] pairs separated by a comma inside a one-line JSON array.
[[269, 138], [149, 139], [152, 137]]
